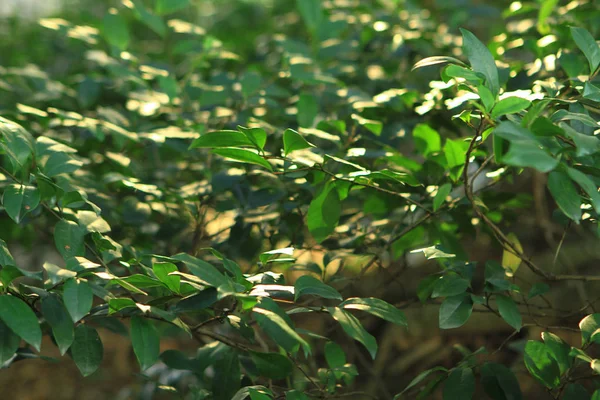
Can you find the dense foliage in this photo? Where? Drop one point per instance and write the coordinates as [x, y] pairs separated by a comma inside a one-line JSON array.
[[273, 193]]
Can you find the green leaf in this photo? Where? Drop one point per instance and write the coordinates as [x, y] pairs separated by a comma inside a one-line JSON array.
[[425, 287], [292, 141], [152, 21], [565, 194], [460, 384], [441, 195], [308, 108], [18, 200], [118, 304], [307, 284], [376, 307], [115, 30], [208, 274], [487, 98], [455, 311], [427, 140], [529, 154], [509, 311], [588, 45], [434, 252], [221, 139], [591, 92], [162, 271], [450, 285], [164, 7], [256, 392], [245, 156], [21, 319], [455, 153], [559, 350], [353, 328], [375, 127], [426, 62], [584, 118], [510, 105], [277, 325], [481, 60], [588, 326], [587, 185], [69, 239], [324, 212], [9, 343], [294, 394], [87, 350], [538, 289], [541, 365], [575, 391], [78, 298], [145, 341], [586, 144], [59, 320], [311, 12], [257, 136], [272, 365], [6, 258], [514, 132], [499, 382], [226, 380], [16, 142], [334, 355], [418, 379]]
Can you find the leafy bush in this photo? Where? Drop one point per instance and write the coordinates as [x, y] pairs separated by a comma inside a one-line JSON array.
[[186, 181]]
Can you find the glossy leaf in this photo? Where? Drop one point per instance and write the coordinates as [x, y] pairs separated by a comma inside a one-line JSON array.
[[9, 343], [307, 284], [541, 365], [60, 321], [87, 350], [529, 154], [588, 326], [587, 44], [77, 297], [460, 384], [450, 285], [426, 62], [164, 7], [293, 141], [565, 194], [481, 60], [223, 138], [145, 340], [427, 140], [272, 365], [115, 30], [591, 92], [245, 156], [376, 307], [69, 239], [21, 319], [455, 311], [510, 105], [163, 271], [324, 212], [353, 328], [509, 311], [559, 350], [19, 200], [441, 195], [499, 382]]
